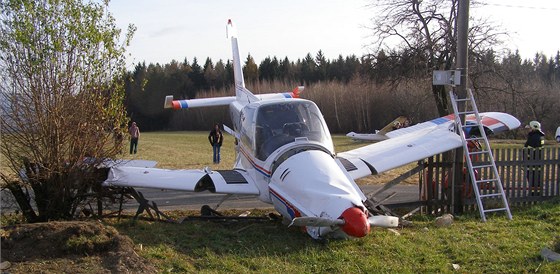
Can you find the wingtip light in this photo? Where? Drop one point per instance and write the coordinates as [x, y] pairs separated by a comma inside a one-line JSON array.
[[168, 101]]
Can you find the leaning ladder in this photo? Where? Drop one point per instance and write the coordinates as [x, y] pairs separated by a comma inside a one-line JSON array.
[[493, 178]]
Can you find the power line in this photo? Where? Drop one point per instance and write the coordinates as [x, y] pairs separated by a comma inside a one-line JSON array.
[[520, 7]]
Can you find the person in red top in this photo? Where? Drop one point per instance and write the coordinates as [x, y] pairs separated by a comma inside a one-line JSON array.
[[216, 138], [134, 132]]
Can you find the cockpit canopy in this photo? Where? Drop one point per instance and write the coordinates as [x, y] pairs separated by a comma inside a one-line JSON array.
[[280, 123]]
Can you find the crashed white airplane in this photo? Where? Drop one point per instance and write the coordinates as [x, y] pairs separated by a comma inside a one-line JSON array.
[[286, 157]]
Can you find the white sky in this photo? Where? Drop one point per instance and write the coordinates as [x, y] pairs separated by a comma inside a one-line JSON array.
[[179, 29]]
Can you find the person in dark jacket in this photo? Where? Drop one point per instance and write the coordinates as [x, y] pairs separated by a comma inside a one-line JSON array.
[[134, 132], [216, 138], [535, 138], [533, 145]]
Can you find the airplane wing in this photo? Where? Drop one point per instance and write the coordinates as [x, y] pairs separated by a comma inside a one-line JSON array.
[[219, 181], [415, 143], [108, 163], [493, 122]]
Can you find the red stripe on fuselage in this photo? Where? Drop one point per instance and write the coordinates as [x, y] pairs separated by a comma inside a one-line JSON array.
[[289, 207], [257, 167]]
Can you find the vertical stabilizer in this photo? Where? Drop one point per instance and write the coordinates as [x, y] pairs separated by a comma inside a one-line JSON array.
[[241, 93]]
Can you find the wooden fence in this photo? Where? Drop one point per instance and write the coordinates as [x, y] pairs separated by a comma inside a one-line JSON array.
[[528, 176]]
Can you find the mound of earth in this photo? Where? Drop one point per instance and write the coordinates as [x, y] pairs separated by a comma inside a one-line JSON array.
[[69, 247]]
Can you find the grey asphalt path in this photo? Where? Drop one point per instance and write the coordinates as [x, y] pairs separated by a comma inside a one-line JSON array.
[[176, 200], [172, 200]]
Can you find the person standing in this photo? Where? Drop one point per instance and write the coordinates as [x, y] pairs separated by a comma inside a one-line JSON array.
[[533, 145], [134, 132], [216, 138]]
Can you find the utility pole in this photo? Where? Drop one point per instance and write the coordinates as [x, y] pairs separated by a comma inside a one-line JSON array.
[[461, 92]]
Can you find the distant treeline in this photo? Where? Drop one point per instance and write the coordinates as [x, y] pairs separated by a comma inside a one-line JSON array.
[[354, 94]]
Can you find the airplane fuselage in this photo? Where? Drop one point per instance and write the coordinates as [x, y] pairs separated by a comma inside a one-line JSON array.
[[286, 147]]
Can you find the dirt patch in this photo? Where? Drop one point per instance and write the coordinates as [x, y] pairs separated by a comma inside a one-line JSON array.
[[70, 247]]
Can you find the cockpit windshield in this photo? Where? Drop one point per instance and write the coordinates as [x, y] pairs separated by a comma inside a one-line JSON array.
[[279, 124]]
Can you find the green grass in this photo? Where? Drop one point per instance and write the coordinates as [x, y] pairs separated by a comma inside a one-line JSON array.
[[497, 246]]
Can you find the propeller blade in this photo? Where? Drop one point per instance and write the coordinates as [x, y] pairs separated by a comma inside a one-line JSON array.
[[315, 221], [383, 221]]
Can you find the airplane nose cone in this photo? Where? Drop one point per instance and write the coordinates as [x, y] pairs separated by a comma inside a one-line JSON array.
[[355, 222]]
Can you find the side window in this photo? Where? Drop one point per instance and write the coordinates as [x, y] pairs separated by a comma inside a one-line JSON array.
[[246, 117]]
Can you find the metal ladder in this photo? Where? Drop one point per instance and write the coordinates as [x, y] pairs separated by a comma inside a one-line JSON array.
[[493, 178]]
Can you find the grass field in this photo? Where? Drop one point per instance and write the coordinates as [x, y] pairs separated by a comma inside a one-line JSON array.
[[497, 246]]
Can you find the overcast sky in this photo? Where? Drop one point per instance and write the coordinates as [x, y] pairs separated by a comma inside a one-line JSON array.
[[179, 29]]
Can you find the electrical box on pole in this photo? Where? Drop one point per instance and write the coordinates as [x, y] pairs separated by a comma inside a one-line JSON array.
[[446, 78]]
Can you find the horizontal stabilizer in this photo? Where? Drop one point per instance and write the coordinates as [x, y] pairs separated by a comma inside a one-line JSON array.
[[315, 222], [196, 103], [244, 96], [383, 221]]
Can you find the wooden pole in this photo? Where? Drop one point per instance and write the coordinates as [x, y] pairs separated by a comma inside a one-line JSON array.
[[461, 91]]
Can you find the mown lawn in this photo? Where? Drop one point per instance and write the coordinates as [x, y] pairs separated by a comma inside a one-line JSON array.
[[497, 246]]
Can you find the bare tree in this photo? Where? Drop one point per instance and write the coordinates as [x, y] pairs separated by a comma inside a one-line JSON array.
[[61, 67], [427, 30]]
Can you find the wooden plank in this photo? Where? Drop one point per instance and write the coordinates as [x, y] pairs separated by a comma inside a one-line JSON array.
[[397, 180], [545, 183], [557, 169], [507, 170], [429, 183], [519, 172], [555, 180]]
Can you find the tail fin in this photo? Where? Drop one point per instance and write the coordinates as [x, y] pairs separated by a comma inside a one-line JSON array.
[[241, 93]]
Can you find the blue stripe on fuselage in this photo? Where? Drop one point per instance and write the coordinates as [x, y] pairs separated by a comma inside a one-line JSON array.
[[287, 95], [184, 104], [440, 120], [292, 211]]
